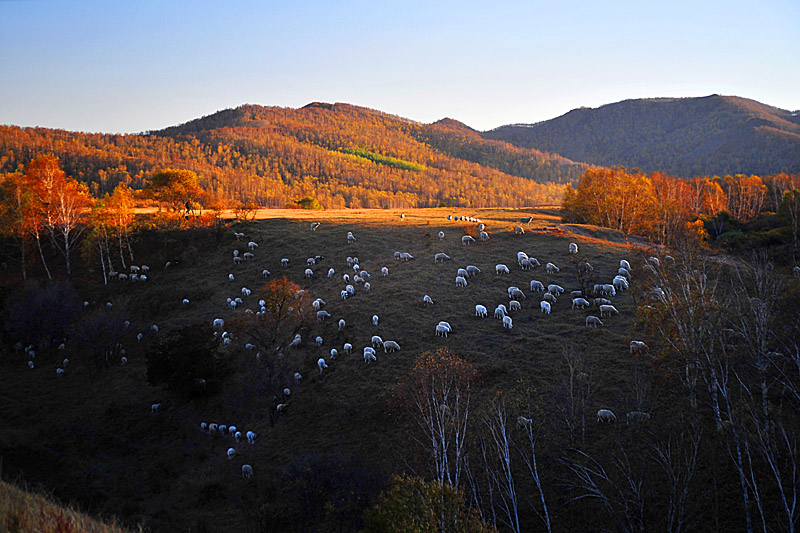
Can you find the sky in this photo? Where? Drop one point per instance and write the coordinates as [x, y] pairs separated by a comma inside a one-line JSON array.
[[126, 67]]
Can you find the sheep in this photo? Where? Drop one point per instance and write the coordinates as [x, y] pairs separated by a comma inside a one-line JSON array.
[[65, 362], [507, 322], [635, 417], [203, 427], [447, 325], [624, 273], [605, 415], [284, 262], [281, 407], [481, 227], [624, 264], [525, 264], [238, 260], [608, 310], [514, 305], [315, 225], [212, 428], [342, 324], [501, 269], [322, 364], [369, 354], [345, 295], [483, 236], [154, 328], [251, 437], [186, 301], [218, 323], [232, 430], [480, 311], [796, 271], [601, 301], [134, 277], [367, 287], [521, 256], [550, 298], [440, 257], [472, 270], [236, 253], [318, 341], [296, 341], [405, 256], [377, 342], [223, 429], [350, 238], [252, 245], [30, 365], [246, 292], [322, 315], [441, 235], [467, 240], [500, 311], [441, 331], [555, 289], [123, 361], [593, 321], [620, 283], [461, 281], [374, 320], [309, 273], [231, 453], [551, 268], [348, 348], [638, 347], [390, 346], [573, 248], [59, 372], [576, 294], [537, 286], [545, 307], [580, 303], [346, 278], [154, 407], [316, 304], [139, 337], [516, 293], [134, 268], [518, 230], [427, 300], [654, 261], [238, 235]]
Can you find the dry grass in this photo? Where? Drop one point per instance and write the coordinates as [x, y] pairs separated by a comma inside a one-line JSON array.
[[169, 474]]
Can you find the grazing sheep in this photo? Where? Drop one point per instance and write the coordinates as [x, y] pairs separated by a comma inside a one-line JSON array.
[[624, 273], [154, 407], [345, 295], [440, 257], [203, 427], [223, 429], [281, 407], [518, 230], [441, 331], [311, 261], [237, 436], [315, 225], [624, 264], [30, 365], [473, 270], [238, 235], [500, 311], [316, 304], [580, 303], [247, 470], [537, 286], [608, 310], [605, 415], [342, 324], [384, 271], [636, 417], [501, 269], [154, 328], [296, 341], [480, 311], [507, 322], [247, 256], [638, 347], [467, 240], [521, 257], [461, 281], [322, 315], [447, 325], [620, 283], [601, 301], [555, 289], [59, 372], [427, 300], [367, 287], [441, 235], [252, 245], [246, 292], [377, 342], [186, 301], [238, 260], [218, 323], [348, 348], [593, 321], [514, 305], [405, 256], [369, 354], [350, 238], [573, 248], [550, 298], [484, 236], [284, 262], [390, 346], [230, 277], [139, 337], [231, 453], [551, 268], [309, 273], [318, 341], [796, 271], [334, 353], [346, 278], [654, 261], [251, 437], [123, 360], [374, 320], [545, 307], [516, 293], [322, 364]]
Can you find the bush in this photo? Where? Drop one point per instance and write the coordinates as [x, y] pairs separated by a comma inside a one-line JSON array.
[[308, 203], [188, 362]]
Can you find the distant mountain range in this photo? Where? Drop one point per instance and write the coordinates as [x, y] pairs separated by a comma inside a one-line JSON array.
[[713, 135]]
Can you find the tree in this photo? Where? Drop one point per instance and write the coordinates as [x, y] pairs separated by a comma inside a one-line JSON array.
[[72, 201], [413, 505], [308, 203], [789, 214], [173, 188], [16, 203], [120, 207]]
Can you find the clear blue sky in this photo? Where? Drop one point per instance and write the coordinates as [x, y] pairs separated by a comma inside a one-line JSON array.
[[135, 66]]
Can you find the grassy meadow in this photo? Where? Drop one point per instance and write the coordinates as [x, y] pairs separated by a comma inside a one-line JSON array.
[[91, 438]]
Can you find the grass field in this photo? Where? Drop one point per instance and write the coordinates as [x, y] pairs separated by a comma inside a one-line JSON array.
[[92, 439]]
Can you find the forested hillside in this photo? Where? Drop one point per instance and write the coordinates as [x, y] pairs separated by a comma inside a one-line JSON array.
[[342, 155], [686, 137]]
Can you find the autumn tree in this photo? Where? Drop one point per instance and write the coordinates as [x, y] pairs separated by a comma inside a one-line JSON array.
[[120, 209], [16, 203], [173, 188]]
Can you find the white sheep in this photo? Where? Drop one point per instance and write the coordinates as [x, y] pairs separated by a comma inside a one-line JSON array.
[[322, 315], [545, 307], [462, 272], [461, 281], [265, 273], [252, 245], [440, 257], [551, 268], [405, 256], [447, 325], [550, 298], [315, 225], [620, 283], [203, 427], [334, 353], [346, 278], [521, 256], [473, 270], [427, 300], [248, 256], [238, 235], [350, 290], [139, 337], [367, 287], [441, 235], [284, 262], [342, 324], [390, 346], [59, 372], [246, 292], [218, 323], [606, 415], [154, 407], [480, 311], [514, 305], [348, 348], [30, 365], [296, 341], [555, 289], [467, 240], [377, 342], [231, 453], [624, 273], [796, 271], [223, 429], [483, 236], [507, 322], [186, 301], [593, 321], [579, 303], [441, 331], [311, 261], [154, 328], [573, 248], [237, 437], [624, 264], [212, 428], [654, 261], [230, 277], [318, 341], [309, 273], [518, 230], [345, 295], [500, 311], [374, 320], [516, 293], [369, 354], [537, 286], [123, 360], [251, 437], [501, 269], [608, 310], [236, 253], [350, 238], [638, 347], [384, 271], [281, 407], [322, 364]]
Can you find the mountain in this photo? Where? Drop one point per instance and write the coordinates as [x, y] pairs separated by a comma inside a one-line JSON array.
[[713, 135], [343, 155]]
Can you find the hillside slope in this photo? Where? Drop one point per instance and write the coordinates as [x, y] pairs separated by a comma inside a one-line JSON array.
[[680, 136], [343, 155]]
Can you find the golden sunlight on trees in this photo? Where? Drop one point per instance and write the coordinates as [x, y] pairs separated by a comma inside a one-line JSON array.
[[173, 189]]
